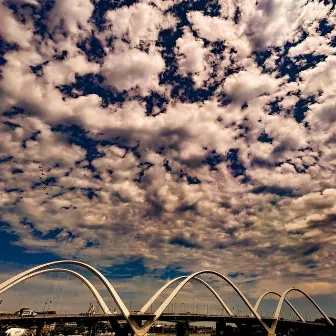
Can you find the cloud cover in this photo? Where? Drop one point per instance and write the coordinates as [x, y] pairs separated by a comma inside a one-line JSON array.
[[184, 134]]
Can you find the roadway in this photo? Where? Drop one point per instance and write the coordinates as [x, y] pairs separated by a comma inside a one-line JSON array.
[[90, 319]]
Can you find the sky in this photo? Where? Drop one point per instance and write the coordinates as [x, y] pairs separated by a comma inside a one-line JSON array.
[[152, 139]]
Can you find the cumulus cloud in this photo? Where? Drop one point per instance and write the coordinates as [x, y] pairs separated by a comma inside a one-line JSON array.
[[192, 57], [129, 68], [12, 30], [244, 86], [139, 23], [74, 17]]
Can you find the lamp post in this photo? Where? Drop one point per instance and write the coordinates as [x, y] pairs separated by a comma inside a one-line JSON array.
[[207, 309], [49, 306], [130, 305], [45, 304]]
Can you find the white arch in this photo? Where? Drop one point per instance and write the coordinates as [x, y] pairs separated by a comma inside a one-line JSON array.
[[164, 305], [278, 295], [133, 324], [282, 299], [93, 290], [156, 295], [107, 284]]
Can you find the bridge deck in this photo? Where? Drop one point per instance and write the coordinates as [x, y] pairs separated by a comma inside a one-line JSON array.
[[12, 319]]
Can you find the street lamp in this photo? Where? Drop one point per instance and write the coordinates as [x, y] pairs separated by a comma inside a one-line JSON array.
[[49, 306], [207, 309], [130, 305]]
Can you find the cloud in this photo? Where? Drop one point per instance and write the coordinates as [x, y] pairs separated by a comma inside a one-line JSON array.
[[192, 57], [213, 29], [245, 86], [140, 23], [12, 30], [75, 17], [128, 69]]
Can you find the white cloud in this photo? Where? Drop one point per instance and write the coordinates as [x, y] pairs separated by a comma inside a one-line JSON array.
[[247, 85], [22, 88], [59, 73], [140, 22], [322, 77], [12, 30], [316, 45], [75, 15], [129, 68], [192, 58], [214, 29]]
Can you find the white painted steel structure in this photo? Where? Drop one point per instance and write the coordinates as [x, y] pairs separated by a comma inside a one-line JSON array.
[[156, 295], [142, 330], [278, 295], [281, 302], [92, 288]]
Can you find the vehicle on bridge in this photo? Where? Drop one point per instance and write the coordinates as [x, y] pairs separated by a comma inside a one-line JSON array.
[[26, 312]]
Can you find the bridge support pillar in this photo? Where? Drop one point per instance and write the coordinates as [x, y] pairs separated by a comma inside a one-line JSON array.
[[182, 329], [245, 329], [220, 328], [121, 331], [91, 330], [39, 329]]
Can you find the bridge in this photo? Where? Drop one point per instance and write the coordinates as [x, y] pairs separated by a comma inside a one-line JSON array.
[[140, 323]]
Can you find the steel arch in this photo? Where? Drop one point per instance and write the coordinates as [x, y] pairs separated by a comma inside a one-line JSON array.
[[278, 295], [164, 305], [101, 277], [156, 295], [283, 297], [93, 290]]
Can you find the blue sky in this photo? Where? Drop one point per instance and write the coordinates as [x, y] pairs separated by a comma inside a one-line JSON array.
[[156, 138]]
